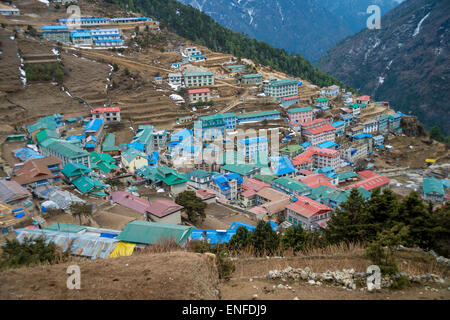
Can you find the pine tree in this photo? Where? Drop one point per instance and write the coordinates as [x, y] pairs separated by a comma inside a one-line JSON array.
[[295, 238], [347, 224], [264, 239]]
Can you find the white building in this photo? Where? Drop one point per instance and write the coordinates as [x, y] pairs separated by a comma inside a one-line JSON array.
[[108, 114], [8, 10], [197, 95], [175, 79]]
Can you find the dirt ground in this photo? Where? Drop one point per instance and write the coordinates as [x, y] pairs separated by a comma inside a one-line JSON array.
[[267, 290], [164, 276]]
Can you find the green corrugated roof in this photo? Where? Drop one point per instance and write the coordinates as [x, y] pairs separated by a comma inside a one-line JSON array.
[[292, 184], [251, 76], [65, 227], [286, 82], [291, 148], [241, 169], [302, 109], [109, 143], [75, 169], [45, 134], [193, 74], [170, 176], [431, 185], [88, 184], [132, 153], [322, 100], [269, 179], [258, 114], [139, 231], [65, 148], [347, 175]]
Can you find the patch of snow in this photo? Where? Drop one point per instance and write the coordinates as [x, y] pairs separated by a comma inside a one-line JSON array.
[[45, 2], [55, 52], [176, 97], [416, 32], [380, 80], [12, 37]]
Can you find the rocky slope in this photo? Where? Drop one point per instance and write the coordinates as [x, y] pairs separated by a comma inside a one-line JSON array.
[[309, 27], [405, 62]]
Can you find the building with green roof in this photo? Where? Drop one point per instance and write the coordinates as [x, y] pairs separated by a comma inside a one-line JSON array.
[[347, 176], [143, 232], [134, 159], [244, 170], [103, 162], [198, 79], [89, 185], [64, 150], [109, 144], [74, 170], [281, 88], [266, 178], [254, 78], [215, 125], [65, 227], [259, 116], [291, 150], [291, 186], [45, 134], [433, 189], [164, 176]]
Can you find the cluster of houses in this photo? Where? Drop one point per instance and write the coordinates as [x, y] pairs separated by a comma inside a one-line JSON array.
[[90, 31]]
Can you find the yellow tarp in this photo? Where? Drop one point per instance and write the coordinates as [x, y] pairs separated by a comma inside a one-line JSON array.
[[430, 160], [123, 249]]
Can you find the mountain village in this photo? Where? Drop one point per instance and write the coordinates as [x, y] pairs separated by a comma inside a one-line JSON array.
[[252, 143]]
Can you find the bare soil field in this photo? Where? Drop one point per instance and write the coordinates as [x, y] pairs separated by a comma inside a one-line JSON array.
[[159, 276]]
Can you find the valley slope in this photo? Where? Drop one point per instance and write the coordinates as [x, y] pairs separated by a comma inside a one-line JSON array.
[[405, 62]]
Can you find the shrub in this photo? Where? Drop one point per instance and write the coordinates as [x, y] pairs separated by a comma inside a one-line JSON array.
[[401, 282], [225, 266], [30, 252]]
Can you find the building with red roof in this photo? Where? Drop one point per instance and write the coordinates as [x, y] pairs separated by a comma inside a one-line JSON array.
[[316, 180], [250, 188], [163, 211], [108, 114], [318, 134], [370, 182], [366, 174], [207, 195], [363, 100], [315, 157], [308, 213], [197, 95]]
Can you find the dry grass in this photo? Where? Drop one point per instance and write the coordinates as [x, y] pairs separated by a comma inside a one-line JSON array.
[[334, 257]]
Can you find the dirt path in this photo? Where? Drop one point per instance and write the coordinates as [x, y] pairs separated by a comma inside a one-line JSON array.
[[123, 61]]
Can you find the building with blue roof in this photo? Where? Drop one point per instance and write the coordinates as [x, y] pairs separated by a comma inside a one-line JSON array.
[[58, 33], [282, 166], [328, 145], [227, 185], [340, 127], [81, 37], [25, 154], [306, 144], [223, 236], [93, 131]]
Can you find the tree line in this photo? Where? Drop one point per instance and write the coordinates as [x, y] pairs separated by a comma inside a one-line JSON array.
[[192, 24]]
